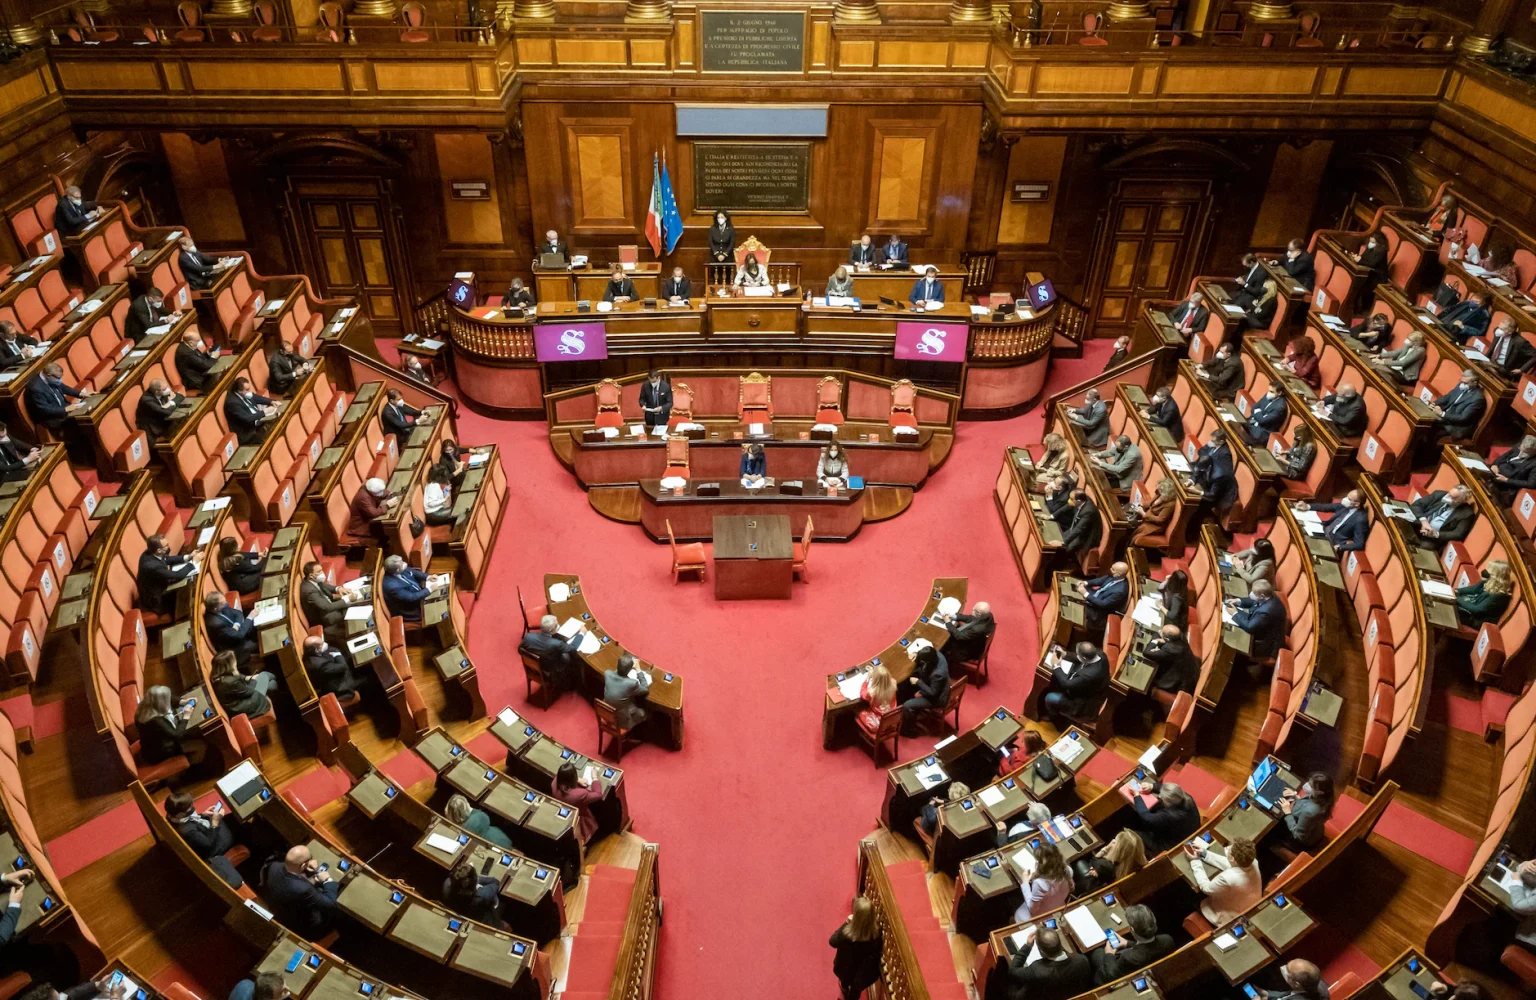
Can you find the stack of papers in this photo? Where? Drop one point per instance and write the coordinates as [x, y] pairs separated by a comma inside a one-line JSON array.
[[915, 645], [438, 842], [1473, 463], [268, 611], [1024, 860], [990, 796], [590, 644], [1438, 588], [1175, 461], [479, 458], [569, 627], [1067, 750], [851, 686], [1148, 612], [1086, 929], [949, 606], [930, 775], [559, 593], [1022, 939]]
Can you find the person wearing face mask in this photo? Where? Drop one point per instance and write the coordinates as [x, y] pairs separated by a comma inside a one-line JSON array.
[[677, 289], [1267, 416], [74, 214], [840, 284], [1515, 470], [722, 238], [1213, 471], [147, 310], [229, 628], [894, 253], [370, 504], [158, 570], [200, 270], [832, 466], [50, 400], [1163, 411], [1345, 409], [1374, 333], [1444, 516], [156, 407], [248, 414], [1104, 596], [1306, 813], [285, 367], [1461, 409], [194, 361], [1509, 351], [1092, 418], [1190, 315], [1373, 258], [517, 295], [1404, 363], [1346, 529], [15, 347], [1466, 319], [1120, 351], [1250, 282], [862, 254], [413, 370], [328, 669], [324, 604], [1224, 374], [1444, 217], [1298, 264], [1262, 313], [752, 274], [656, 400], [1121, 463], [398, 417], [552, 244], [928, 288], [620, 289], [16, 457]]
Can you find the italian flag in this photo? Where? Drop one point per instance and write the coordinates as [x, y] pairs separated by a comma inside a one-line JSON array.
[[653, 211]]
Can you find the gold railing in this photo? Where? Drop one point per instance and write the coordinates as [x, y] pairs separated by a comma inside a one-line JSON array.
[[899, 973], [511, 341], [432, 316], [635, 971], [1017, 340]]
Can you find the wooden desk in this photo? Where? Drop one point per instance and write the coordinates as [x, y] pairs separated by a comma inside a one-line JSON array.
[[1281, 921], [837, 518], [1247, 956], [590, 281], [754, 557], [1396, 982], [869, 283]]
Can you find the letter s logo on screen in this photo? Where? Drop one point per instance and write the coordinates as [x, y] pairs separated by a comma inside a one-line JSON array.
[[573, 342], [932, 342]]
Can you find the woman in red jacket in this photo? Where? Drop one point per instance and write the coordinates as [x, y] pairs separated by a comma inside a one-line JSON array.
[[574, 790], [879, 692], [1301, 359]]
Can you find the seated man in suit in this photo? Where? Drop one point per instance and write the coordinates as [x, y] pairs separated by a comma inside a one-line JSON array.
[[49, 399], [552, 244], [677, 288], [206, 833], [285, 367], [200, 270], [1344, 409], [1347, 528], [1172, 818], [1190, 315], [1224, 374], [156, 407], [16, 457], [159, 570], [894, 253], [968, 634], [1298, 264], [1077, 682], [518, 295], [16, 348], [147, 310], [928, 288], [1178, 669], [1268, 415], [1092, 418], [1121, 462], [74, 214], [1163, 411], [1058, 500], [1213, 471], [405, 588], [556, 656], [863, 253], [194, 361], [248, 413], [1121, 351], [1143, 946], [1461, 409], [328, 669], [324, 604], [930, 686], [655, 400], [1104, 596], [302, 895], [229, 628], [398, 417], [620, 289], [1250, 284], [1466, 319], [1300, 979], [1444, 516], [1515, 470], [1085, 530], [1512, 353], [1058, 974], [624, 688], [1262, 615]]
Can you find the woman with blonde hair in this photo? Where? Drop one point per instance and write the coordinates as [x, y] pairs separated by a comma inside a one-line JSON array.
[[879, 692], [858, 946], [1114, 861], [1262, 312], [166, 730], [1156, 515], [1053, 462], [1488, 598], [930, 817], [475, 821]]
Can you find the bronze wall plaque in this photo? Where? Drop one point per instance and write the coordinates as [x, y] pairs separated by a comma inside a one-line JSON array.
[[752, 42], [751, 176]]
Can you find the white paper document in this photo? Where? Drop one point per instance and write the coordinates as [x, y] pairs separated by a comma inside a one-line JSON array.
[[1473, 463], [1067, 750], [217, 503], [1149, 612], [438, 842], [930, 775], [851, 686], [361, 613], [949, 606], [1086, 929], [990, 796], [590, 644], [1225, 942], [266, 612], [1437, 588], [1175, 461], [559, 593], [243, 774], [569, 627], [507, 717]]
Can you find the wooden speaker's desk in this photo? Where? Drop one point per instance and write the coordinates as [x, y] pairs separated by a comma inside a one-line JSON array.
[[754, 557], [631, 328], [567, 284], [897, 283], [837, 518]]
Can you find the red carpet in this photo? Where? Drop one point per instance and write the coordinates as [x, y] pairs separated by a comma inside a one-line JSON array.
[[96, 838], [1457, 712], [1331, 951], [752, 801], [1414, 832], [1203, 785]]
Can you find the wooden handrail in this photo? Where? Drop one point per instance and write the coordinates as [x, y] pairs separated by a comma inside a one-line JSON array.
[[900, 974]]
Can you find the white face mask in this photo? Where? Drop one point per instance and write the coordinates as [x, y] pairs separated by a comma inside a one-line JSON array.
[[322, 648]]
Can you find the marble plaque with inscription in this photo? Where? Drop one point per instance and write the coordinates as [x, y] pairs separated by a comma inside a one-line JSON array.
[[751, 176], [753, 42]]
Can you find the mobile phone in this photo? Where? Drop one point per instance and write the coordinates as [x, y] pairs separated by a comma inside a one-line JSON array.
[[1252, 993], [293, 964], [1419, 989], [324, 866], [1414, 965], [1113, 938]]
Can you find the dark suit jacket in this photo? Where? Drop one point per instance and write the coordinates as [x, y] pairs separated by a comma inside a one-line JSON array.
[[1060, 507], [154, 416], [1085, 530], [484, 904], [245, 420], [1261, 314], [1212, 468], [70, 219], [239, 696], [935, 685], [1302, 269], [1226, 377], [1374, 260], [393, 419], [1046, 979], [1265, 621], [894, 253], [1162, 828], [207, 842], [1349, 415], [329, 673], [283, 370], [623, 287], [1266, 417], [1108, 593], [1175, 608], [1517, 354], [1346, 529], [1197, 316], [1463, 409], [921, 292], [1252, 281], [861, 254], [155, 575], [753, 465], [13, 466], [142, 316], [198, 268], [722, 242], [521, 297], [1177, 668], [1084, 687], [968, 635], [403, 593], [1457, 526], [1520, 472], [228, 628], [1107, 968], [553, 652], [47, 401], [677, 287], [1472, 317], [10, 351], [1166, 415], [560, 247], [192, 366], [660, 396], [299, 904], [320, 604], [160, 739]]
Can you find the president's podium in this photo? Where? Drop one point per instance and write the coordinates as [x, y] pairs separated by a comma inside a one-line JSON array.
[[754, 557]]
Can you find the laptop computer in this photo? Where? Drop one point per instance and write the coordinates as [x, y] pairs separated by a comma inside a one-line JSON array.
[[552, 260], [1267, 782]]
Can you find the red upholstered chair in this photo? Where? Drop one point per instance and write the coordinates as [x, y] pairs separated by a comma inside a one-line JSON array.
[[191, 16], [1348, 984], [245, 737], [829, 401], [333, 20], [414, 15], [1091, 25], [532, 614], [677, 458], [976, 669], [1309, 23], [682, 405], [88, 28], [266, 17], [16, 982], [755, 248], [1520, 961], [1195, 924], [887, 729], [685, 558], [904, 404], [608, 409], [756, 400], [608, 725], [801, 566]]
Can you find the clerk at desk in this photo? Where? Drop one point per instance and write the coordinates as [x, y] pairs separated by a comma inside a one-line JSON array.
[[894, 253], [927, 288], [754, 463], [620, 289], [676, 288], [863, 252]]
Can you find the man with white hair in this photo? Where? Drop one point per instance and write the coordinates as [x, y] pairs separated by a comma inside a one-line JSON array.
[[556, 655], [368, 505], [1461, 409], [968, 634], [1036, 816], [405, 587], [74, 213], [552, 244]]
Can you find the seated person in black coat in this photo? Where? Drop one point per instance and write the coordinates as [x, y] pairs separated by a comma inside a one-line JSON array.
[[677, 288], [1515, 470], [556, 656], [1466, 319], [1250, 284], [1163, 412], [1510, 352], [1077, 681], [166, 729], [301, 895], [476, 896], [1298, 264], [398, 417], [1170, 821], [1347, 528], [1058, 973], [930, 684], [968, 634], [1058, 501], [285, 367], [49, 398], [1372, 257], [248, 413], [517, 295], [1375, 333], [1178, 669], [200, 270], [1444, 516], [1085, 529], [208, 834], [1461, 409], [1140, 946], [619, 289], [74, 213], [1214, 472], [15, 347], [16, 887], [1262, 615], [324, 604], [159, 570], [147, 310], [16, 457], [1223, 373], [1345, 408], [241, 569], [156, 407], [229, 628], [1104, 596], [328, 669], [193, 361], [239, 694]]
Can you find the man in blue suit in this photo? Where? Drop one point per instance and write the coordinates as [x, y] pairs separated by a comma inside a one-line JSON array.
[[1461, 409], [74, 214], [404, 589], [302, 896], [1346, 529], [229, 628], [1465, 320], [1212, 471], [1268, 415], [927, 288], [557, 656], [1262, 615], [894, 253], [48, 398], [1105, 596], [1163, 411]]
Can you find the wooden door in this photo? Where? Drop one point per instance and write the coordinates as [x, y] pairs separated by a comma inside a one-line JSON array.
[[1149, 247], [348, 238]]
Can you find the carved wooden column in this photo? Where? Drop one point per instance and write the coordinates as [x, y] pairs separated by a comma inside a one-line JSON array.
[[18, 24], [1491, 22], [533, 8], [970, 11], [856, 12], [1128, 11], [1270, 10], [648, 10]]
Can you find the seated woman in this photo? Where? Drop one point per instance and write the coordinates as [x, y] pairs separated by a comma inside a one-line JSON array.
[[1404, 363], [166, 730], [241, 569], [1375, 333], [1020, 751], [752, 274], [1296, 461], [452, 461], [1174, 594], [1488, 598], [1262, 312], [1306, 813], [1301, 359], [754, 463], [1237, 884], [476, 896], [841, 283], [1155, 516], [879, 693], [1114, 861], [1052, 463], [573, 788], [832, 468], [437, 496], [1048, 888], [475, 821], [238, 694], [929, 818], [1255, 563]]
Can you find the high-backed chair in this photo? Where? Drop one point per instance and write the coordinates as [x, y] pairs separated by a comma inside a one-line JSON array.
[[887, 729], [677, 458], [1308, 24], [534, 676], [685, 558], [608, 725], [682, 405], [609, 413], [755, 248], [756, 401], [829, 401], [191, 16], [802, 554], [1092, 23], [333, 19], [414, 15], [267, 29], [904, 404], [88, 28]]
